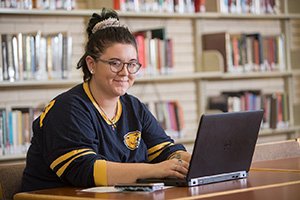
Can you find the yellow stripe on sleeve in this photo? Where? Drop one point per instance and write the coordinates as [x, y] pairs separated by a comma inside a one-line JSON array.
[[63, 168], [66, 156], [153, 156], [157, 147], [46, 110], [100, 173]]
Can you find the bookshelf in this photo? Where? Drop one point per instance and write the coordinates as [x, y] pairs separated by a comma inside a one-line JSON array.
[[190, 83]]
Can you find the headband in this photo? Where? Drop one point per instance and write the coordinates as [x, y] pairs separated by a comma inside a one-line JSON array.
[[109, 22]]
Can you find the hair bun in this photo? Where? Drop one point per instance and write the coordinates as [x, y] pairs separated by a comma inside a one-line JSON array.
[[104, 18]]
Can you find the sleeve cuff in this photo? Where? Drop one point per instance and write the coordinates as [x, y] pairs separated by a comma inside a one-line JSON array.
[[100, 173]]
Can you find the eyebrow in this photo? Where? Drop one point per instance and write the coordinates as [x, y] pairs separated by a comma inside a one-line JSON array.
[[111, 59]]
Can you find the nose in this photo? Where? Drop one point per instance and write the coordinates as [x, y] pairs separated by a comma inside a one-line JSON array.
[[124, 70]]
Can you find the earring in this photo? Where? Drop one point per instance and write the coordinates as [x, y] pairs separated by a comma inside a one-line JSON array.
[[92, 71]]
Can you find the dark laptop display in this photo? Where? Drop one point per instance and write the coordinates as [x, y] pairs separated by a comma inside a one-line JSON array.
[[223, 148]]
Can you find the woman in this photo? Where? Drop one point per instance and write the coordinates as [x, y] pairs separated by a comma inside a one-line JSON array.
[[96, 134]]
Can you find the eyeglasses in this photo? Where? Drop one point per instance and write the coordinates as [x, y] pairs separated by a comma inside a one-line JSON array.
[[117, 66]]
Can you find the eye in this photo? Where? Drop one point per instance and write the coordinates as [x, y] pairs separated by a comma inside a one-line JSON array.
[[133, 65], [115, 63]]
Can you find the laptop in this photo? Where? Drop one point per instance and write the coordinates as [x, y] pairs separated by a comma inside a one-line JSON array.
[[223, 149]]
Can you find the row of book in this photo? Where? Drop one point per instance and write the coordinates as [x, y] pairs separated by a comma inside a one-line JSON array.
[[169, 6], [169, 114], [35, 56], [250, 6], [246, 52], [39, 4], [155, 52], [275, 105], [15, 129], [192, 6]]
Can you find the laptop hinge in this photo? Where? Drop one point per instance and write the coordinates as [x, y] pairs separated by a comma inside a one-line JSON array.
[[217, 178]]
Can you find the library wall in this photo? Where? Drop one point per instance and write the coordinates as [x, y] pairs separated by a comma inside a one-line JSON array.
[[183, 92], [267, 27], [182, 38], [269, 86], [295, 63], [183, 55]]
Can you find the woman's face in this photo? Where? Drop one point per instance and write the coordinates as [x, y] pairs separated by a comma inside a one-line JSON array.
[[111, 83]]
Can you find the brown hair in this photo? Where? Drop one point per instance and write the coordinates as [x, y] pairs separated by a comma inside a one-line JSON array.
[[103, 38]]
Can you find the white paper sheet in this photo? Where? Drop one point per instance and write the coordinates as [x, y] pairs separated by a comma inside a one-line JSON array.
[[101, 189]]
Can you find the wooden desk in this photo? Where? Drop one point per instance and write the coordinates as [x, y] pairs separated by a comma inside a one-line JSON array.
[[259, 185], [285, 165]]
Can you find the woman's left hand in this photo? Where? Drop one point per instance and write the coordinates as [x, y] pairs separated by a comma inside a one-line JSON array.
[[182, 155]]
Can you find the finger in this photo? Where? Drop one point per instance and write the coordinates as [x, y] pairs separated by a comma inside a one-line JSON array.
[[184, 164], [177, 172], [180, 169], [179, 175]]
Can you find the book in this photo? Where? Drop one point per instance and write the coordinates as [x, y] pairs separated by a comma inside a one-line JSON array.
[[4, 47], [15, 56], [20, 55], [179, 117], [200, 5], [10, 65], [169, 56], [28, 58], [218, 103], [23, 132], [67, 56], [256, 39], [1, 60], [220, 42], [2, 131], [273, 111], [140, 39]]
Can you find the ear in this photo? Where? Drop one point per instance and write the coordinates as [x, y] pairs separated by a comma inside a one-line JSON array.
[[90, 63]]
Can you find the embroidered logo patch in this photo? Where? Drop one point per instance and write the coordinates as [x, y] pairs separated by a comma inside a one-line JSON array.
[[132, 140]]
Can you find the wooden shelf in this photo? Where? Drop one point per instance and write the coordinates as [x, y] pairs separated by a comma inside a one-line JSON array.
[[11, 11], [214, 15], [88, 12], [6, 158], [279, 131], [255, 75], [296, 72], [152, 79], [39, 83], [263, 132], [294, 16]]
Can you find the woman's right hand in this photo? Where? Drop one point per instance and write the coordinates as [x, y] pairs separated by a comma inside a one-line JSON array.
[[130, 172], [171, 168]]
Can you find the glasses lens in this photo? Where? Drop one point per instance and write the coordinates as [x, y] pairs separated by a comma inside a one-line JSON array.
[[133, 67], [115, 65]]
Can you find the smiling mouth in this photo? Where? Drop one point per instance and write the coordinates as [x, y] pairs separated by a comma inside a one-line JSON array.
[[122, 81]]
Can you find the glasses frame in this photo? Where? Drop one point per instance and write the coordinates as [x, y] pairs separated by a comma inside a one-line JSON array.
[[123, 64]]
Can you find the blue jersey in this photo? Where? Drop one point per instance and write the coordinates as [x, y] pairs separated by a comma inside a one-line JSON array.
[[73, 139]]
